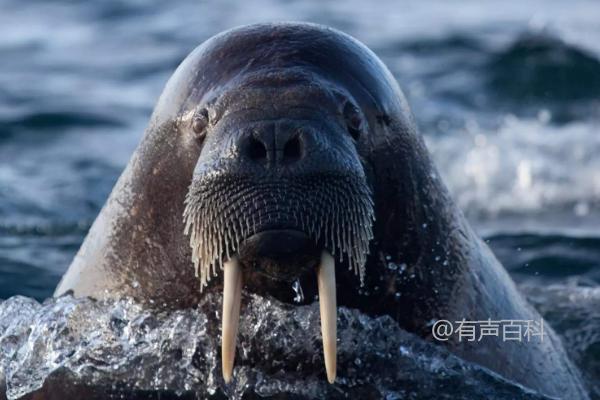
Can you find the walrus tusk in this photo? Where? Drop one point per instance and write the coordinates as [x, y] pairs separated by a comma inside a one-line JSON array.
[[232, 291], [232, 295], [328, 306]]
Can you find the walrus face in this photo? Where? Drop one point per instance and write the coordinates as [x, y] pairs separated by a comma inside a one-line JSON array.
[[278, 191], [278, 182]]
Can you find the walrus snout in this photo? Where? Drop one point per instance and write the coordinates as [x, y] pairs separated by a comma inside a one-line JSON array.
[[274, 145], [266, 220], [288, 165]]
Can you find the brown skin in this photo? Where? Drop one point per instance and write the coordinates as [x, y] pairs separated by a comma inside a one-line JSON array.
[[137, 247]]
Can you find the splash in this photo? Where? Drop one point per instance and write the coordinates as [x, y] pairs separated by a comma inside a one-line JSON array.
[[99, 349]]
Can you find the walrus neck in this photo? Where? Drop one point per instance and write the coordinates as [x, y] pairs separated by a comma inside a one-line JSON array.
[[135, 225], [426, 255]]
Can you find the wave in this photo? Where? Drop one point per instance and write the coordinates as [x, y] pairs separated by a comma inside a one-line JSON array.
[[524, 167], [55, 122], [549, 259], [542, 67]]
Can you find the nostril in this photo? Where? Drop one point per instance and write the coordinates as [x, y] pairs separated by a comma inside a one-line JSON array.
[[293, 149], [256, 149]]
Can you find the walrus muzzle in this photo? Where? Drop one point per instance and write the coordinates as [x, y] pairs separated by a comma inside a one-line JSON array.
[[241, 223], [279, 191]]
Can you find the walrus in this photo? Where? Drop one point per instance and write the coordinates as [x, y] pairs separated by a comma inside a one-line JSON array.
[[285, 155]]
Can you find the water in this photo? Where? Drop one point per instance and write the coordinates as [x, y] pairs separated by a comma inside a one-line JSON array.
[[97, 343], [507, 97]]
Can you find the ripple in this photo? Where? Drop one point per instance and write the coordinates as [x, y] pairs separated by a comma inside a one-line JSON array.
[[56, 121]]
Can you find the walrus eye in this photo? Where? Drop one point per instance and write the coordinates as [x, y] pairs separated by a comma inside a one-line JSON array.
[[200, 123], [353, 120]]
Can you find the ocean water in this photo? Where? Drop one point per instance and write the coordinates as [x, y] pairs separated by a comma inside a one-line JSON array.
[[507, 95]]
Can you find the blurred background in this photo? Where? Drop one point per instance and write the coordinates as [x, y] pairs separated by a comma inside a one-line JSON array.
[[506, 94]]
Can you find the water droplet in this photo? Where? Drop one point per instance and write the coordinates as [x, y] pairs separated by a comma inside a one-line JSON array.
[[299, 294]]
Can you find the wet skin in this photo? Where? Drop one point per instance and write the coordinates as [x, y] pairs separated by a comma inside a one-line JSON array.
[[312, 121]]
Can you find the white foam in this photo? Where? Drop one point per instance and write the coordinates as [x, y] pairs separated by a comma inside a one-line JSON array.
[[525, 166]]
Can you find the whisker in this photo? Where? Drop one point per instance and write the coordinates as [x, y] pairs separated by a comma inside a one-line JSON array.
[[221, 211]]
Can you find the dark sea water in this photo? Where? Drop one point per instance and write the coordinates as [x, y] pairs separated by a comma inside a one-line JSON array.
[[507, 95]]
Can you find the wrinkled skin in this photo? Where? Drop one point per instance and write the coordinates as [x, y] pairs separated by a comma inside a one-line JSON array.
[[279, 80]]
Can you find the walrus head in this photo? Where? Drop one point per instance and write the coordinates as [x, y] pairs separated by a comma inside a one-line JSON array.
[[279, 180], [276, 156], [284, 116], [279, 188]]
